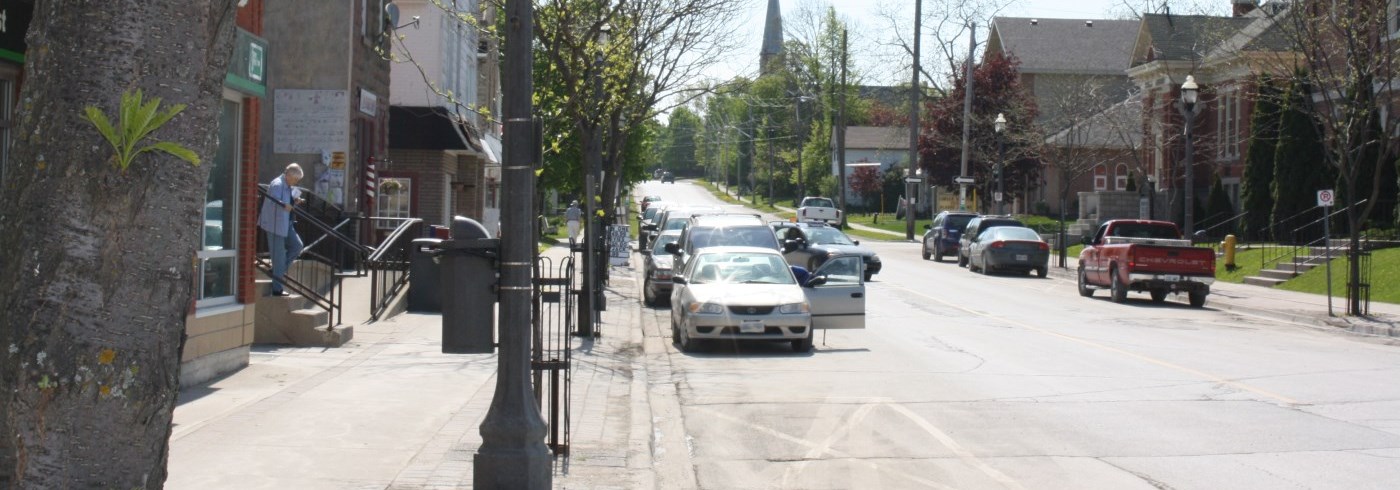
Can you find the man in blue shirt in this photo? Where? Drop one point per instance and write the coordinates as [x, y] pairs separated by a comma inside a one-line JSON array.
[[275, 218]]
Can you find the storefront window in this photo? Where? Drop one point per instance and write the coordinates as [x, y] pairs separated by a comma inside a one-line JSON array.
[[218, 252], [395, 200]]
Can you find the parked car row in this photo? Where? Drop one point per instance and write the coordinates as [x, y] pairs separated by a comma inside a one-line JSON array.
[[987, 244], [729, 277]]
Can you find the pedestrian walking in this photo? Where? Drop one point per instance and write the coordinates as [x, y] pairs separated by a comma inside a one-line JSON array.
[[571, 218], [275, 218]]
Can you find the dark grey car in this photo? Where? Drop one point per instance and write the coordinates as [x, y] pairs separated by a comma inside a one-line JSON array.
[[979, 225], [1009, 248], [810, 245]]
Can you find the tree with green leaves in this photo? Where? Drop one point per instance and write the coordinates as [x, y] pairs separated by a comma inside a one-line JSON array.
[[1256, 189], [1300, 169], [1220, 212], [679, 142]]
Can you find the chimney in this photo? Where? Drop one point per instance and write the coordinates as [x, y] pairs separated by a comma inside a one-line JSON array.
[[1088, 23], [1244, 7]]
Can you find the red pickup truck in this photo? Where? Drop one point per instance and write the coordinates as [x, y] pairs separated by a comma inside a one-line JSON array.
[[1142, 255]]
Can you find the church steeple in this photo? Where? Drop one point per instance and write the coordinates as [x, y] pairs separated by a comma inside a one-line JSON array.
[[772, 51]]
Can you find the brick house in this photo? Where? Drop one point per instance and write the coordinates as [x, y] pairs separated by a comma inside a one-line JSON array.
[[1225, 56], [219, 328]]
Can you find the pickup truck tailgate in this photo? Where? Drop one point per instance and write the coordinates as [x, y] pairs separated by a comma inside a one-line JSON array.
[[1189, 261]]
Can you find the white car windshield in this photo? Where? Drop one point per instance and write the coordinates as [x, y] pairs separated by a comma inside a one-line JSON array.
[[741, 268]]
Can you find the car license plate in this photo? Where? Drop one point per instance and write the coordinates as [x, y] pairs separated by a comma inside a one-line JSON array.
[[1171, 277], [751, 326], [1022, 257]]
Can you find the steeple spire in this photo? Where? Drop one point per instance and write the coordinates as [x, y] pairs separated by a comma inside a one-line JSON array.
[[772, 50]]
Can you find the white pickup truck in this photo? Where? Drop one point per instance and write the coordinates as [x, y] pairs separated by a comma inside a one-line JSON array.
[[818, 209]]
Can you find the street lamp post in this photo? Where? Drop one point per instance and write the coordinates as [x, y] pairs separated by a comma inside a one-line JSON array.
[[1190, 93], [1151, 197], [512, 452], [1000, 125]]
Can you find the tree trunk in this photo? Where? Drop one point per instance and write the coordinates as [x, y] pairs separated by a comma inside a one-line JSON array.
[[99, 278]]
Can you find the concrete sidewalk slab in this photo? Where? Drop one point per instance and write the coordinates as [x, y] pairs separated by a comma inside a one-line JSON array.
[[390, 411]]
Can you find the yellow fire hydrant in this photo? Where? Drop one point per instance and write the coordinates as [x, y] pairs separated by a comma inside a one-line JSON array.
[[1229, 247]]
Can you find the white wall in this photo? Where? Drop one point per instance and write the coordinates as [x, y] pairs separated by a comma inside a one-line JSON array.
[[444, 48]]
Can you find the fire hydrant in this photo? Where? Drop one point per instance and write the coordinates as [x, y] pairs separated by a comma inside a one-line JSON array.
[[1229, 247]]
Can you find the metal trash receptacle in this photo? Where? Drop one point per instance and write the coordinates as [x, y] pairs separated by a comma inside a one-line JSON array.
[[424, 276], [468, 285]]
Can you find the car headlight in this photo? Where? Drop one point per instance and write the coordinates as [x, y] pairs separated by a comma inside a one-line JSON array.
[[793, 308], [707, 308]]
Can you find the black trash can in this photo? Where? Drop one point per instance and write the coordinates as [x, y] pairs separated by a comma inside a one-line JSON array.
[[424, 276], [468, 285]]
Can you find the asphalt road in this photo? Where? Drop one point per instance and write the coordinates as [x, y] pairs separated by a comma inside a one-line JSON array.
[[962, 380]]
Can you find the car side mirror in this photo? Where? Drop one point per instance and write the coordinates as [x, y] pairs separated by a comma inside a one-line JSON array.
[[649, 227], [857, 242], [1088, 240], [815, 281], [678, 279], [672, 249], [928, 227], [789, 245]]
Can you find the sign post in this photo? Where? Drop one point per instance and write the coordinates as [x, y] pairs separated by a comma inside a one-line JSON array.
[[1325, 198]]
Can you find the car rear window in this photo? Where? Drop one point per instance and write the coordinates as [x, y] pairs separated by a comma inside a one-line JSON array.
[[1013, 233], [819, 202], [733, 236], [1154, 231], [957, 222]]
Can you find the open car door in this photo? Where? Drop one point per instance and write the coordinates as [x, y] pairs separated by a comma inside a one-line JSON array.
[[839, 301]]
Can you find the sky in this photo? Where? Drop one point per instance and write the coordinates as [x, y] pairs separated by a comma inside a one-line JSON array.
[[869, 28]]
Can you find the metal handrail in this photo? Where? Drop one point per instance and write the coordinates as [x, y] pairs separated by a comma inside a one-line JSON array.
[[389, 264], [1292, 252]]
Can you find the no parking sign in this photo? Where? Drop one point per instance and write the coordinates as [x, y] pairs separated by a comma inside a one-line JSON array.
[[1325, 198]]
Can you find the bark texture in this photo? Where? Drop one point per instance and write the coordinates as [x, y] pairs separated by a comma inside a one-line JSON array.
[[99, 265]]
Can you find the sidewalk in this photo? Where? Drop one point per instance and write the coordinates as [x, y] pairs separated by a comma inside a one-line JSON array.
[[1289, 306], [390, 411]]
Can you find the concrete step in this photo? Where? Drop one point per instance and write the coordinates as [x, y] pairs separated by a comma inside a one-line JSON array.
[[1279, 274], [287, 320], [1263, 281], [1322, 251]]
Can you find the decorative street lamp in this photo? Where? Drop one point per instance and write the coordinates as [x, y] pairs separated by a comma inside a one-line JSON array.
[[1000, 125], [1190, 93]]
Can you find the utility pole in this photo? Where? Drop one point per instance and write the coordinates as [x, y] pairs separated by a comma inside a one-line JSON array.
[[912, 186], [771, 157], [967, 119], [801, 145], [513, 453], [841, 129]]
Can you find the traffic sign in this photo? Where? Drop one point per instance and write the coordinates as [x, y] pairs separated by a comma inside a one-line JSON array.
[[1325, 198], [963, 180], [914, 180], [996, 196]]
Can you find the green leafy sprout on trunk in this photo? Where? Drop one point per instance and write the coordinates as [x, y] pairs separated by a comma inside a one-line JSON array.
[[135, 122]]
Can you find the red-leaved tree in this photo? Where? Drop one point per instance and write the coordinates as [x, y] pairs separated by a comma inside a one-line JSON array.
[[865, 181], [996, 89]]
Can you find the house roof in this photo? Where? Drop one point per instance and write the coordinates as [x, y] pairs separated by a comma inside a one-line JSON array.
[[429, 128], [1094, 46], [876, 138], [1168, 37], [1117, 127]]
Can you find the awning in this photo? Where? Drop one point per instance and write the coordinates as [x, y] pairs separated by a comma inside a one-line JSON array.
[[429, 128], [492, 148]]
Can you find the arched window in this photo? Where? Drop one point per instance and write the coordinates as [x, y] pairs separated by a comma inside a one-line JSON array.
[[1100, 177], [1120, 178]]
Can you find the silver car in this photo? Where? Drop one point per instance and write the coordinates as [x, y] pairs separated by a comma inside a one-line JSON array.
[[656, 271], [750, 293]]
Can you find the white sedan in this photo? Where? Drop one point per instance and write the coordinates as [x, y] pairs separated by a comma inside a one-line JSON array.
[[750, 293]]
